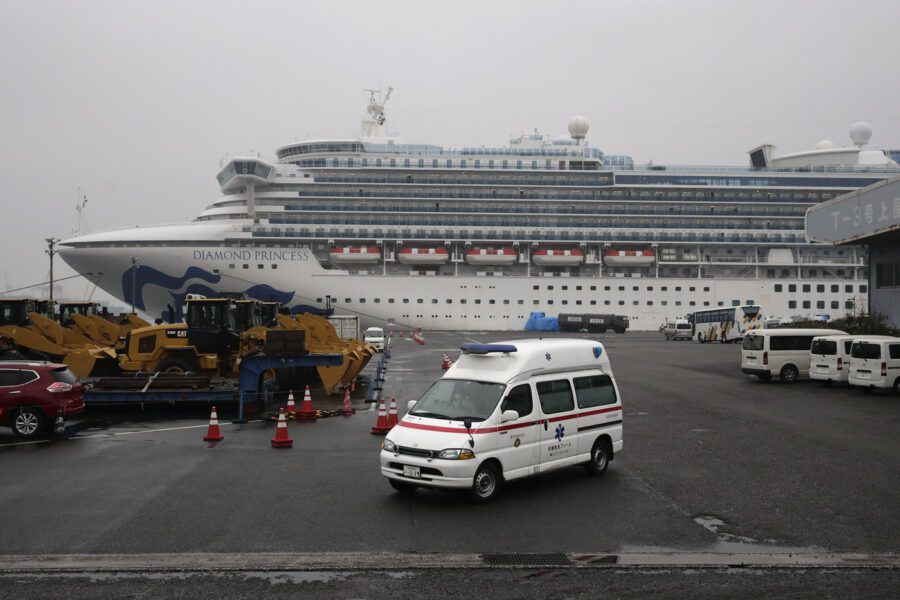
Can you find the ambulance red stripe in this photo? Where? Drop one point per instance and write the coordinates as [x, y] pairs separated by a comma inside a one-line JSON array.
[[424, 427]]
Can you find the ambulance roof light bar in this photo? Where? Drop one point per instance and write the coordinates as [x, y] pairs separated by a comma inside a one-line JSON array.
[[487, 348]]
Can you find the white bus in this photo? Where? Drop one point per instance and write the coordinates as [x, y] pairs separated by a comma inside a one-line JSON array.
[[725, 324]]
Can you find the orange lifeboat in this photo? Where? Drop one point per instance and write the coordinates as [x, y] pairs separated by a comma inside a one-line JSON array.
[[557, 257], [629, 258], [423, 256], [355, 254], [491, 256]]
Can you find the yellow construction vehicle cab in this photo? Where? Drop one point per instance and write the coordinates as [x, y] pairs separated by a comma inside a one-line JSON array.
[[204, 344]]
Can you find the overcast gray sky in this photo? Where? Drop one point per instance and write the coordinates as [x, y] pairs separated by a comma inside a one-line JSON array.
[[135, 103]]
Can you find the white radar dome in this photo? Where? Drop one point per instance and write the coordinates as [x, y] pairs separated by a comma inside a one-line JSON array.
[[578, 128], [860, 133], [824, 145]]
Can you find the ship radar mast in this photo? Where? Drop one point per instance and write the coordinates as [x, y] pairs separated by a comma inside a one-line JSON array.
[[372, 124]]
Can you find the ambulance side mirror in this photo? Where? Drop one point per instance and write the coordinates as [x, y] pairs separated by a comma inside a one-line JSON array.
[[509, 415], [410, 404]]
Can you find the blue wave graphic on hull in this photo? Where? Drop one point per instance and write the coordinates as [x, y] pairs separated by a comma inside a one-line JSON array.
[[144, 275], [267, 293]]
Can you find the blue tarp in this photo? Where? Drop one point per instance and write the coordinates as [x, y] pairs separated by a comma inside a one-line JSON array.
[[537, 321]]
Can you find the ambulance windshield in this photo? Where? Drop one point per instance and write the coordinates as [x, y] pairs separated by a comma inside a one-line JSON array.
[[458, 399]]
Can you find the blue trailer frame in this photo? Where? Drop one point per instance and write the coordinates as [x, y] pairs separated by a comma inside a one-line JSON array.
[[249, 377]]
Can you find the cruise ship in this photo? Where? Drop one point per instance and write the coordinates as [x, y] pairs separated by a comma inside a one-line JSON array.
[[477, 238]]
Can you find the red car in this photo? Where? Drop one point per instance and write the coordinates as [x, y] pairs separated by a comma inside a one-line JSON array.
[[33, 394]]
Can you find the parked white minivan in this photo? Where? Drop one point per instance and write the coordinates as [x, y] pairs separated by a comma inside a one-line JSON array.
[[829, 358], [374, 336], [505, 411], [875, 362], [780, 352], [678, 329]]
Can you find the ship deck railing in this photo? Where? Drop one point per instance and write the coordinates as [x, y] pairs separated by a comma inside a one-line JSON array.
[[539, 237]]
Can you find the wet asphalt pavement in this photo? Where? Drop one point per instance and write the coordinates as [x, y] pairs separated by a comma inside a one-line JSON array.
[[714, 461]]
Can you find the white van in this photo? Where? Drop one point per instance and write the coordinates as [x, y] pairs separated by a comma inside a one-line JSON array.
[[829, 358], [781, 352], [678, 329], [875, 362], [505, 411], [374, 336]]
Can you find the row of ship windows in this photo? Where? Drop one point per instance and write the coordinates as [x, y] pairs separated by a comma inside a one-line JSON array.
[[445, 164], [603, 207], [820, 288], [536, 195], [587, 235], [580, 221], [599, 178], [835, 304], [792, 287]]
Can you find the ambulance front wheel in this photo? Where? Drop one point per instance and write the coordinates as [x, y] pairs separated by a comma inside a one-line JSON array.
[[402, 486], [599, 461], [486, 483]]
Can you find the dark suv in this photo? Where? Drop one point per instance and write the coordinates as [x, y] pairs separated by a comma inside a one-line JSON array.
[[33, 394]]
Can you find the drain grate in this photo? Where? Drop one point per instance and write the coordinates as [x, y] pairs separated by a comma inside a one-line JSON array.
[[552, 559]]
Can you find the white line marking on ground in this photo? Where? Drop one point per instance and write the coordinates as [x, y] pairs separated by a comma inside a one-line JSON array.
[[115, 433], [25, 443]]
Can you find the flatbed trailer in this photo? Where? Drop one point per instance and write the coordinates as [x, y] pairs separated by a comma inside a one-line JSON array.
[[246, 389], [161, 396]]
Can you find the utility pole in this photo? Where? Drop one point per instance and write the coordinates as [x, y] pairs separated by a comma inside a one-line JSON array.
[[51, 244], [134, 261]]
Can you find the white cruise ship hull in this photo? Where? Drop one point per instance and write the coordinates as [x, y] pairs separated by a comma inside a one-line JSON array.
[[293, 276]]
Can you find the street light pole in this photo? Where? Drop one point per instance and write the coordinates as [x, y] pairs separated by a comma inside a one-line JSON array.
[[51, 243], [133, 282]]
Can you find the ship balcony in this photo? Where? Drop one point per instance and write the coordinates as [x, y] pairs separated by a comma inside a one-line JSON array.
[[586, 235]]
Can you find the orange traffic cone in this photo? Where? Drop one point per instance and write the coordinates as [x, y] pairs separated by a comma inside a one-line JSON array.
[[282, 439], [393, 418], [381, 425], [213, 434], [445, 362], [307, 412], [291, 407], [347, 409]]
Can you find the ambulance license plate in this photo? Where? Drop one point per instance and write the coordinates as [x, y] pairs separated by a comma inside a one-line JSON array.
[[865, 375], [411, 471]]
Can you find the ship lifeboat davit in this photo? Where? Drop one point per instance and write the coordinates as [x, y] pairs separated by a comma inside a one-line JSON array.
[[629, 258], [555, 257], [423, 256], [355, 254], [491, 256]]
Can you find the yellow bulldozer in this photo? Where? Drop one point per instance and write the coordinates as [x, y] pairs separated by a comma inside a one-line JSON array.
[[216, 334], [29, 330]]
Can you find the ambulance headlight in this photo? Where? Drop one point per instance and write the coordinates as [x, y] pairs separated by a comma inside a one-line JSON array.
[[456, 454], [388, 446]]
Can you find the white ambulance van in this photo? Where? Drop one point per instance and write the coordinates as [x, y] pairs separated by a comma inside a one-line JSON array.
[[829, 358], [875, 362], [508, 410]]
